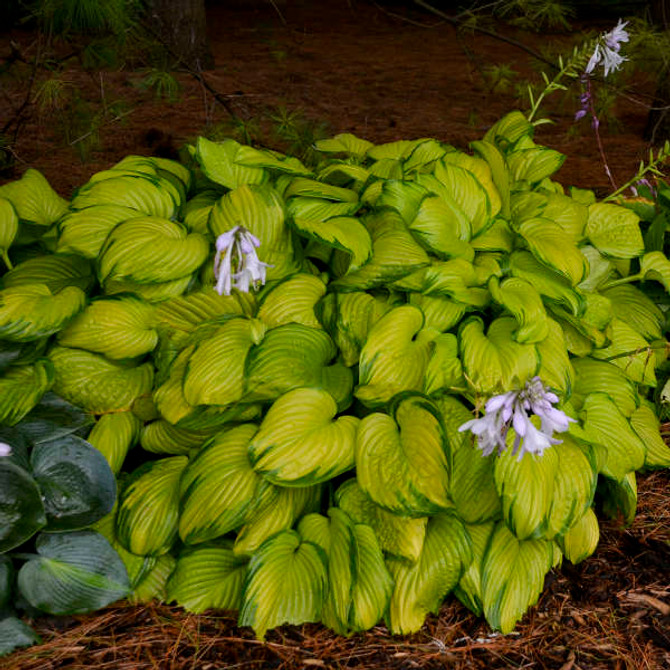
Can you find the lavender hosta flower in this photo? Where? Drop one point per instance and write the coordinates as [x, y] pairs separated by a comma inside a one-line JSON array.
[[236, 264], [5, 449], [515, 408], [607, 50]]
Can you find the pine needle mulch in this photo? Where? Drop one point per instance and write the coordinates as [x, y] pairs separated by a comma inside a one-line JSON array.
[[612, 612]]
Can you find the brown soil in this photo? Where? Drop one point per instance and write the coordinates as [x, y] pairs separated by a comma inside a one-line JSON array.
[[362, 70]]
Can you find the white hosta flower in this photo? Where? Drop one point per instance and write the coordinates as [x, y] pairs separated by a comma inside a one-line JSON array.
[[236, 264], [5, 449], [515, 408], [607, 50]]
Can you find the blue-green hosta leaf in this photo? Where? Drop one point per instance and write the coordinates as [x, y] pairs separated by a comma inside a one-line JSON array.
[[207, 577], [399, 536], [629, 351], [500, 174], [218, 486], [525, 303], [286, 582], [403, 462], [506, 131], [345, 143], [292, 301], [646, 425], [421, 587], [31, 311], [260, 210], [21, 508], [533, 164], [444, 372], [550, 245], [394, 357], [439, 313], [614, 230], [15, 634], [218, 162], [601, 377], [473, 488], [162, 437], [494, 361], [21, 388], [619, 497], [151, 249], [116, 327], [113, 436], [637, 310], [620, 449], [33, 199], [512, 576], [6, 582], [76, 484], [56, 271], [73, 573], [299, 443], [98, 384], [581, 540], [148, 515]]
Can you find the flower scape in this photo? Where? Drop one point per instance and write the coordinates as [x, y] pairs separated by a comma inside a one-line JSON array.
[[333, 394]]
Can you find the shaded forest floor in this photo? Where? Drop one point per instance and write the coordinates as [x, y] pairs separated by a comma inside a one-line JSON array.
[[351, 67]]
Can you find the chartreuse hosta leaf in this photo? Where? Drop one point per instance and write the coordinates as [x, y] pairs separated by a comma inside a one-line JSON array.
[[149, 250], [512, 576], [311, 188], [655, 265], [619, 498], [113, 435], [581, 540], [286, 582], [300, 443], [98, 384], [162, 437], [148, 514], [31, 311], [495, 361], [33, 199], [617, 445], [292, 301], [482, 171], [403, 461], [509, 129], [533, 164], [116, 327], [21, 507], [439, 312], [637, 310], [217, 160], [218, 486], [399, 536], [421, 587], [556, 369], [614, 231], [646, 425], [500, 175], [153, 584], [456, 279], [209, 576], [56, 271], [469, 588], [9, 227], [21, 388], [473, 488], [394, 357], [444, 372], [73, 573], [345, 143], [525, 303], [152, 292], [273, 160], [215, 371], [601, 377]]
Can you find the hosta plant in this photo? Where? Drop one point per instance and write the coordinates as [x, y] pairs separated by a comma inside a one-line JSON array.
[[339, 394]]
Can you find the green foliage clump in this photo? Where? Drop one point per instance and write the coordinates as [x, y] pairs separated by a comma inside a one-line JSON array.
[[295, 453]]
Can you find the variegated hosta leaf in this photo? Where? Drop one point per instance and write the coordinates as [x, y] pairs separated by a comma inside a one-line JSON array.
[[207, 577], [619, 498], [601, 377], [397, 150], [273, 160], [469, 588], [286, 582], [147, 195], [218, 162], [299, 443], [600, 268], [215, 371], [84, 232], [439, 312], [218, 487], [343, 173], [260, 210], [525, 304], [311, 188], [403, 196], [399, 536], [581, 540], [403, 462], [33, 199], [197, 210], [500, 174], [117, 328], [21, 388], [344, 143], [481, 170], [152, 292], [31, 311], [508, 130], [162, 437], [315, 528], [148, 512], [637, 310], [394, 357], [456, 279], [113, 435], [655, 265], [151, 249], [9, 227], [512, 576], [621, 450], [499, 236], [614, 231], [56, 271], [421, 587], [97, 384], [169, 396], [473, 488], [292, 301], [533, 164], [275, 509], [556, 369], [495, 362], [646, 425], [153, 585], [444, 372], [423, 155]]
